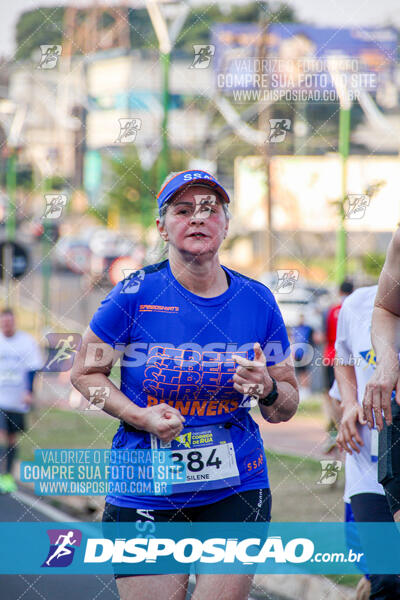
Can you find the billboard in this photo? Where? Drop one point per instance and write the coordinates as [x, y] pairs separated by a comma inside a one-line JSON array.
[[293, 57], [250, 207], [304, 189]]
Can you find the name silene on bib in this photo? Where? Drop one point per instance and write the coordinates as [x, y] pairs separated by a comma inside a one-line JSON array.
[[205, 454]]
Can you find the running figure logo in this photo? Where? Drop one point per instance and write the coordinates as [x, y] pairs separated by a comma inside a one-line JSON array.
[[278, 130], [54, 205], [61, 351], [98, 397], [62, 547], [286, 280], [185, 439], [356, 205], [202, 56], [330, 471], [132, 280], [204, 205], [50, 55], [253, 392], [128, 129]]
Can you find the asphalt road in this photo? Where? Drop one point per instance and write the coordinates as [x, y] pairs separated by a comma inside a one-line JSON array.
[[48, 587]]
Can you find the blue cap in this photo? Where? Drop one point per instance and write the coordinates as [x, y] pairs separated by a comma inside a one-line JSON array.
[[186, 178]]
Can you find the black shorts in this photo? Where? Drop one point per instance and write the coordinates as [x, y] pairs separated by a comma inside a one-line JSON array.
[[385, 587], [251, 506], [12, 422], [329, 377], [389, 459]]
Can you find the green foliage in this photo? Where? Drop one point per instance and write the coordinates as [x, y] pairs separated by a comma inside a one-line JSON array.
[[24, 177], [98, 212], [133, 190], [54, 183], [126, 185], [141, 30], [45, 25], [39, 26], [54, 428], [372, 263], [197, 29], [260, 11]]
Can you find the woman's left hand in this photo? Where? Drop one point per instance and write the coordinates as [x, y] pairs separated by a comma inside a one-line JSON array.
[[252, 373]]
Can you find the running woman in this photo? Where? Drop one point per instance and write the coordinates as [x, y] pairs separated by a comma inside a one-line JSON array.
[[354, 366], [202, 338], [385, 335], [20, 358]]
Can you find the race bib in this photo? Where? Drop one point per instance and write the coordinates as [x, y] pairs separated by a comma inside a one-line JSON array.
[[374, 444], [208, 456]]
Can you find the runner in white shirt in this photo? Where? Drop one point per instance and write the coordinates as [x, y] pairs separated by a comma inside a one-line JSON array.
[[354, 365], [20, 358]]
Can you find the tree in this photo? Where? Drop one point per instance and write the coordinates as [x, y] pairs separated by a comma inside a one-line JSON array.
[[198, 26], [141, 30], [126, 184], [37, 27], [132, 190], [373, 262]]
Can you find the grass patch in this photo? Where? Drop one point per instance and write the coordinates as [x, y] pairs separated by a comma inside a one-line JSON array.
[[55, 428], [311, 407], [296, 494], [349, 580], [32, 322]]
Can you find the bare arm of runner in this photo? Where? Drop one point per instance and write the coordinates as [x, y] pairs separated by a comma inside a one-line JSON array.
[[349, 439], [385, 335], [256, 372], [92, 367]]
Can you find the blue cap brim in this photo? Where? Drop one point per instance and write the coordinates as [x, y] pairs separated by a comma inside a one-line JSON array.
[[182, 181]]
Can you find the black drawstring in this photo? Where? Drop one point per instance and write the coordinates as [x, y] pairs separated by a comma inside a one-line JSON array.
[[128, 427], [229, 424]]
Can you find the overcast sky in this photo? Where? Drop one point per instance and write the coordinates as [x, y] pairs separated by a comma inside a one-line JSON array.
[[329, 13]]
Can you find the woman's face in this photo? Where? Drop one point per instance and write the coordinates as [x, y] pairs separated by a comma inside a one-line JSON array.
[[195, 222]]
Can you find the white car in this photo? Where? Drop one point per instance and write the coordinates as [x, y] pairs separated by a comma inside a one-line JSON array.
[[72, 254], [298, 299]]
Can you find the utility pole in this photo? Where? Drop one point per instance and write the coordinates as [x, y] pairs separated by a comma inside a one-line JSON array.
[[165, 59], [7, 258], [341, 237], [340, 84], [46, 262], [265, 150], [13, 143], [166, 38]]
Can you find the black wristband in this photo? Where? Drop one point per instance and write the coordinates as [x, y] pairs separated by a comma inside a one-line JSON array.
[[272, 396]]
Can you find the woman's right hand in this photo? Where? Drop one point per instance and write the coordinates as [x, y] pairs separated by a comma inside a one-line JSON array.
[[378, 391], [349, 437], [162, 420]]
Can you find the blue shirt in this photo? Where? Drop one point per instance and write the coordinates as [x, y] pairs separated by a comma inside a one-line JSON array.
[[178, 349], [301, 334]]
